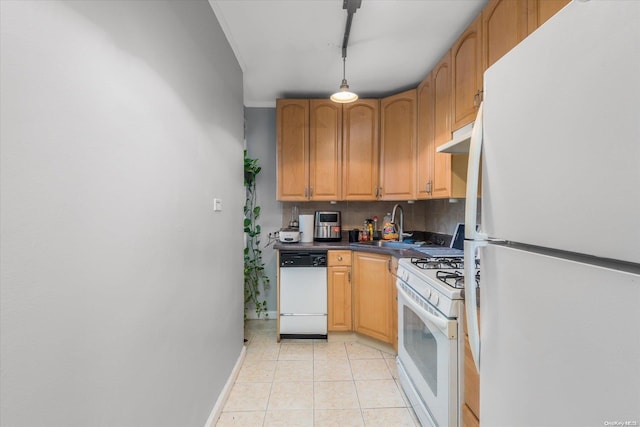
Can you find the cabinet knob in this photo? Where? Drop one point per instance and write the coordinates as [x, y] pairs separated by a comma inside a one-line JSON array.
[[339, 257]]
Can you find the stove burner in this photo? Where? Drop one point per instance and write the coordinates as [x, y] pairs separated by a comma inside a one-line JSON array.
[[438, 263], [455, 279]]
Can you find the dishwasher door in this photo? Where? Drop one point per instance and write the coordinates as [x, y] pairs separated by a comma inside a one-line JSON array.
[[303, 301]]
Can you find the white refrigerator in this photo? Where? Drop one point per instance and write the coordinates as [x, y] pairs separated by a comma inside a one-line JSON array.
[[557, 143]]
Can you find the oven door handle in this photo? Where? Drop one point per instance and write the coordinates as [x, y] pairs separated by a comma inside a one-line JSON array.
[[446, 326]]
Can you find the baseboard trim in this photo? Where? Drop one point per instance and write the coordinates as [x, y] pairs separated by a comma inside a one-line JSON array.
[[224, 395], [251, 314]]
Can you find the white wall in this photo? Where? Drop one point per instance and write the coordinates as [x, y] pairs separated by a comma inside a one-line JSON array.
[[121, 289]]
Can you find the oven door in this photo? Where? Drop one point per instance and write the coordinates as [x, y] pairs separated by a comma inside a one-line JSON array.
[[428, 356]]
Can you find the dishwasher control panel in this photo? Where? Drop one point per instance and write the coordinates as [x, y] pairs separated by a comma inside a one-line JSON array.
[[303, 258]]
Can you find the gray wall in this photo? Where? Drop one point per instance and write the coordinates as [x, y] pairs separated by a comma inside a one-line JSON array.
[[121, 289], [261, 145]]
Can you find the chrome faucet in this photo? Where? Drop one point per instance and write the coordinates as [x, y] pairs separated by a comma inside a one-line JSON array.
[[401, 223]]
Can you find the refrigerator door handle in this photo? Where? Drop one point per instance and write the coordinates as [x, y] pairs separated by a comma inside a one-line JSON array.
[[470, 300], [473, 178]]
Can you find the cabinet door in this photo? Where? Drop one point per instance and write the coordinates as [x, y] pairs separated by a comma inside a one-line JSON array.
[[373, 298], [442, 127], [466, 75], [360, 148], [398, 146], [504, 25], [325, 142], [292, 139], [339, 296], [425, 146], [394, 302], [540, 11]]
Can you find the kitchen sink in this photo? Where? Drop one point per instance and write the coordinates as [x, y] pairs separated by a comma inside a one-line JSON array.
[[391, 244]]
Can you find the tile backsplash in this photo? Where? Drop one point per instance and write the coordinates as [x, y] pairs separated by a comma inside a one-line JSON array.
[[438, 216]]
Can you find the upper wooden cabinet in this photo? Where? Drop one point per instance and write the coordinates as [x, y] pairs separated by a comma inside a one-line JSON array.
[[504, 25], [360, 149], [292, 136], [466, 75], [540, 11], [386, 150], [441, 81], [325, 145], [425, 144], [309, 135], [313, 137], [398, 146]]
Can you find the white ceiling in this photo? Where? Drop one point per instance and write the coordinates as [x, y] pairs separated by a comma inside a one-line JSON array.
[[292, 48]]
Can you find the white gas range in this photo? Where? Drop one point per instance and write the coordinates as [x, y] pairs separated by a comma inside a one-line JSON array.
[[430, 337]]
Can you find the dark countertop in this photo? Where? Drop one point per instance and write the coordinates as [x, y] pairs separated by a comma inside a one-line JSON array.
[[346, 246], [342, 245]]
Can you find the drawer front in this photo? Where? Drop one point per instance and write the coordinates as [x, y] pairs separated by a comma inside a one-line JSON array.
[[338, 258]]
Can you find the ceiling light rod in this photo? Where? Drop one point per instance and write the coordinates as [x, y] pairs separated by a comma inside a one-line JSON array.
[[344, 96], [351, 6]]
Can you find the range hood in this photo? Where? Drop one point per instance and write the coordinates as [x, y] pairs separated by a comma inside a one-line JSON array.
[[460, 142]]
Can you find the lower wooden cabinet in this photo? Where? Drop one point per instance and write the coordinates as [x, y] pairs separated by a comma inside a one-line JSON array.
[[339, 310], [471, 381], [394, 303], [471, 406], [468, 418], [374, 305]]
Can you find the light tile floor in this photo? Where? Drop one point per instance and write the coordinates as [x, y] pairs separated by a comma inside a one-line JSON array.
[[335, 382]]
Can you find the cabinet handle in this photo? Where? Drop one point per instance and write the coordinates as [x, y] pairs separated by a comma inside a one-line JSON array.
[[394, 274], [349, 276], [477, 98], [428, 189], [305, 192], [310, 192], [339, 258]]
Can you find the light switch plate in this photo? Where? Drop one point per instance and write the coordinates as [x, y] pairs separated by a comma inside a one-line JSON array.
[[217, 205]]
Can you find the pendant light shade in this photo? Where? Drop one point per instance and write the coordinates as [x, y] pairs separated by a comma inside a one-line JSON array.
[[344, 95]]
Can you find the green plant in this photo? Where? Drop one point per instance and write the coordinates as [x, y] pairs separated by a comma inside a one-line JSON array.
[[254, 274]]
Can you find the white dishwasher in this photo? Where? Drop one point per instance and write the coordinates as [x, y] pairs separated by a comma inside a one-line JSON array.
[[302, 305]]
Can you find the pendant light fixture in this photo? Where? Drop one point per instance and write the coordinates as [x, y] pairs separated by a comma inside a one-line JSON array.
[[344, 95]]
